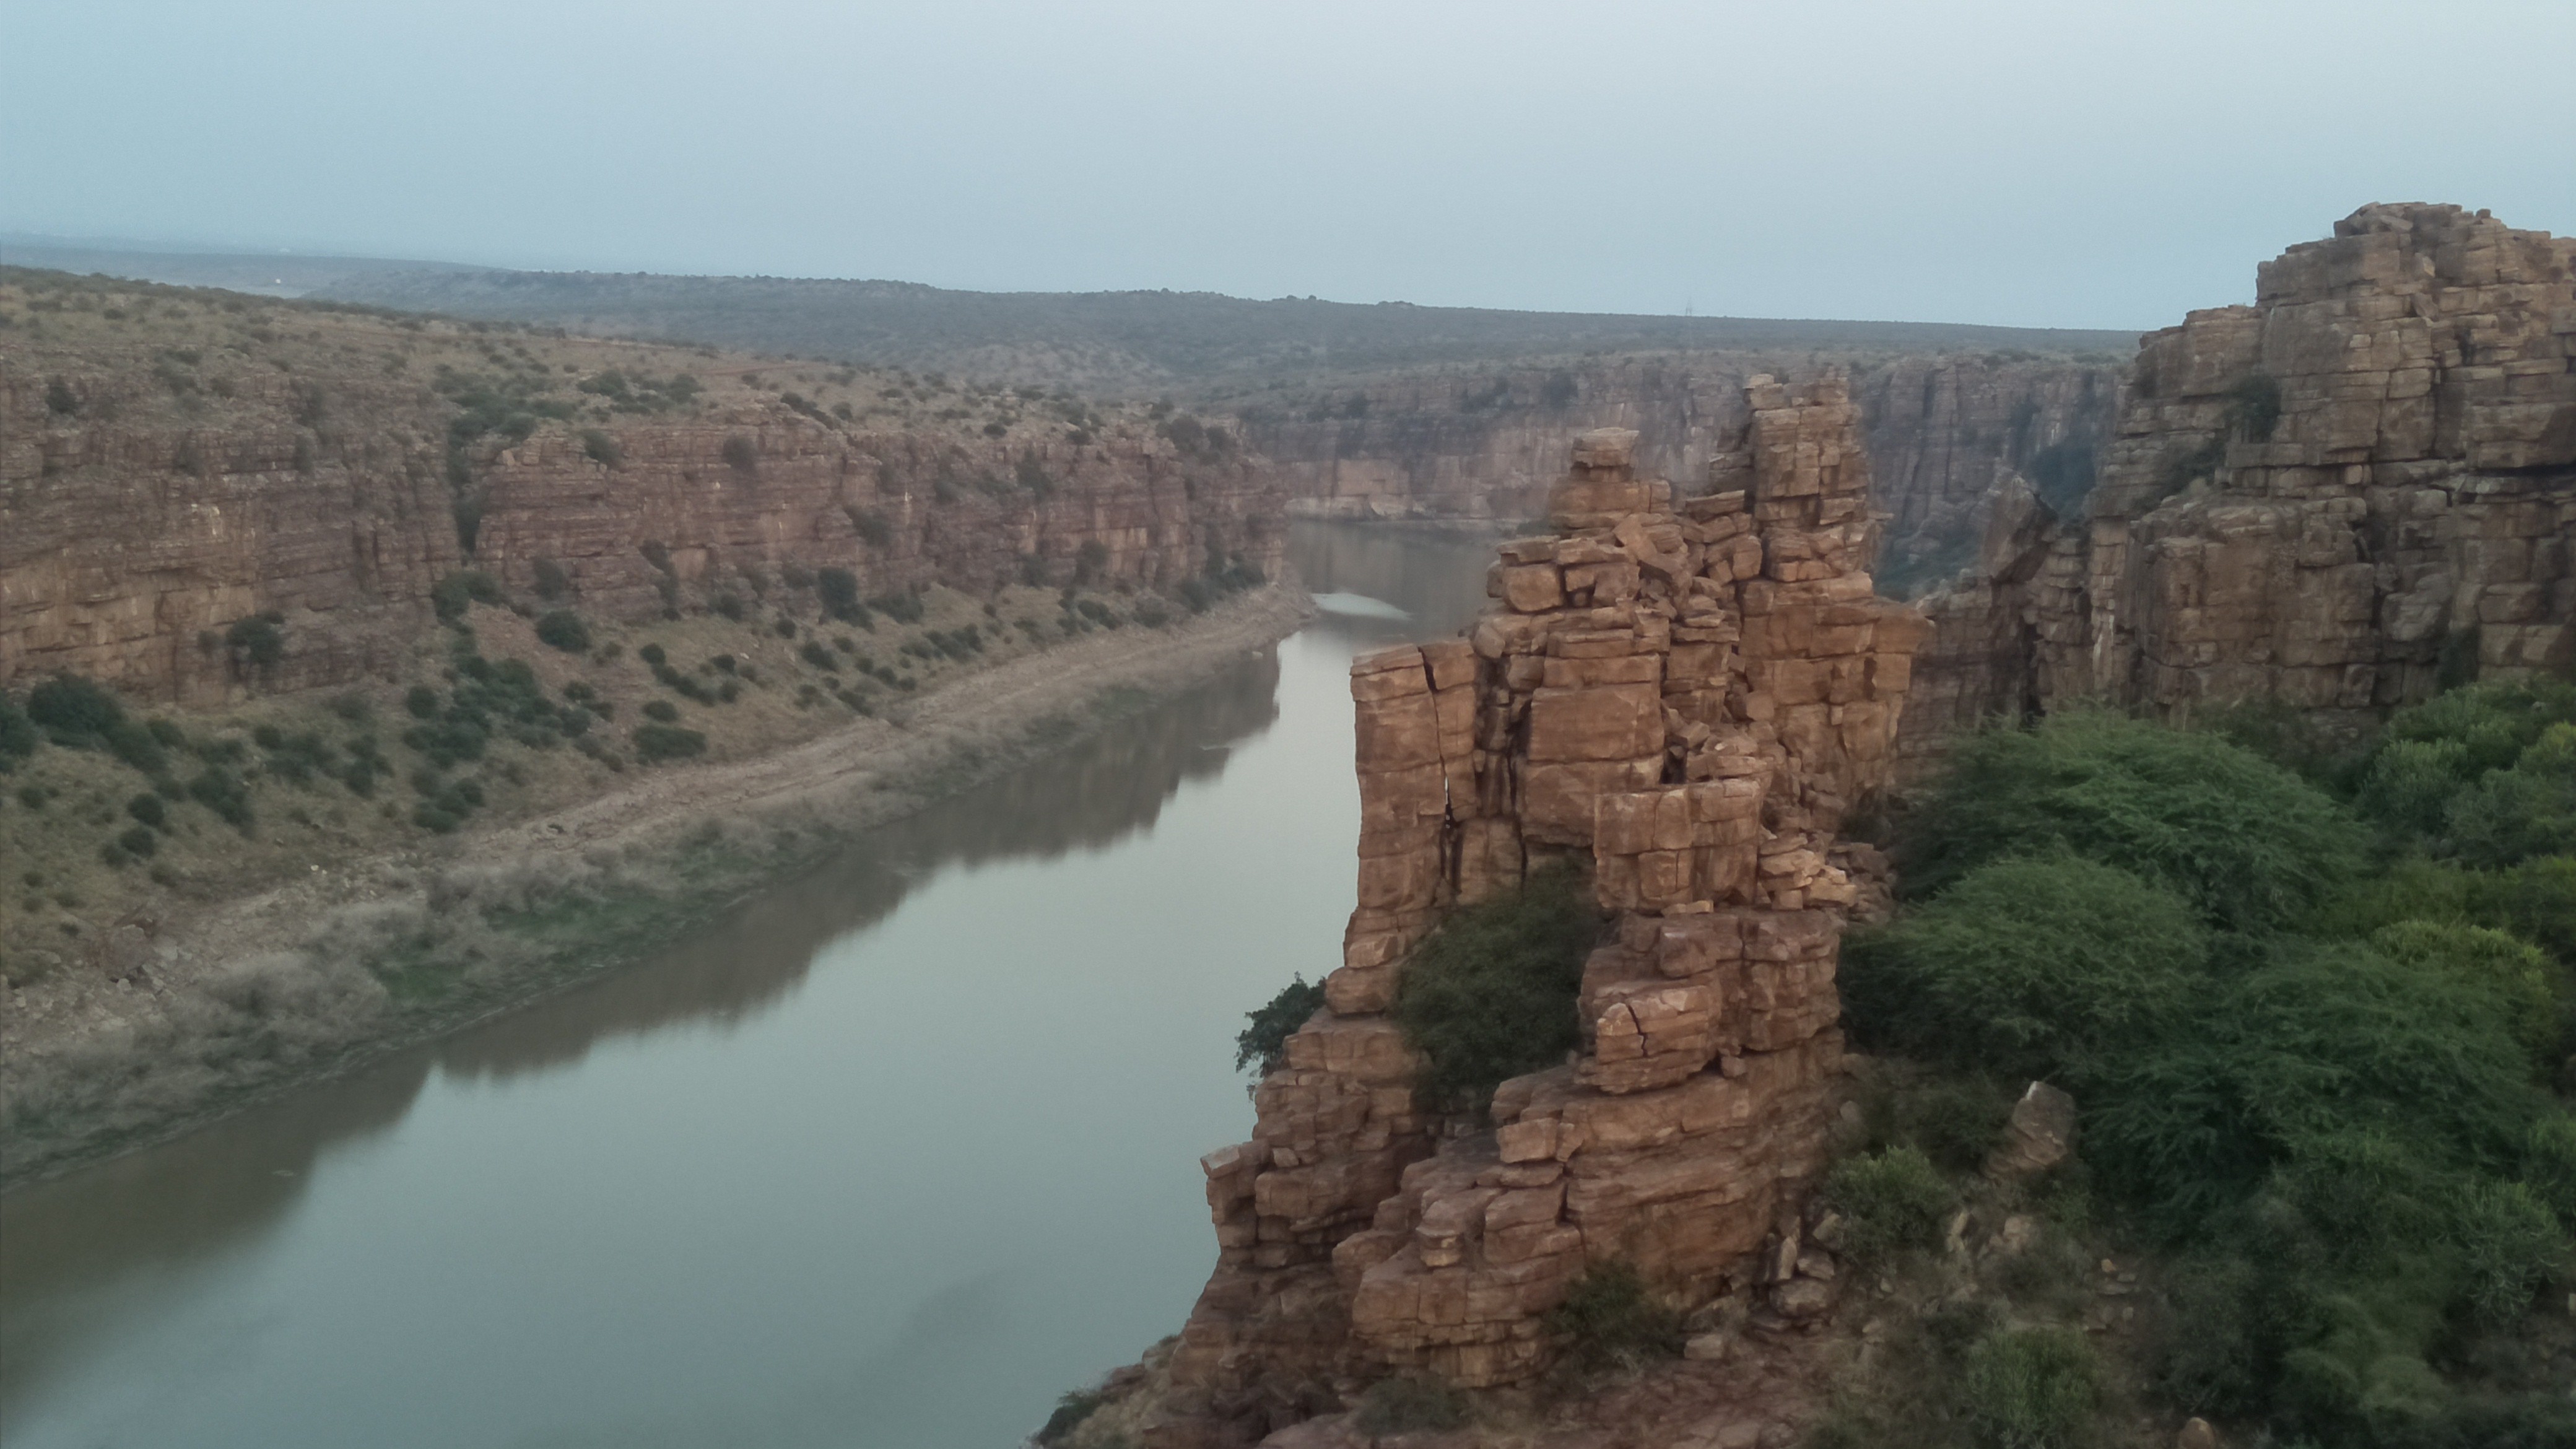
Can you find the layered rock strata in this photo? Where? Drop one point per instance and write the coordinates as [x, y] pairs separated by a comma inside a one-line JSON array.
[[130, 538], [1940, 431], [2336, 499], [1686, 694]]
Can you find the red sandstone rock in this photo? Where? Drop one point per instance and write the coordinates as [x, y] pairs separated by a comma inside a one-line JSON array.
[[2413, 498], [128, 533], [1695, 727]]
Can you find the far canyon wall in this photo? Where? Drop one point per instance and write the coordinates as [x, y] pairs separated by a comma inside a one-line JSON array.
[[1942, 432], [130, 541], [2338, 499], [1685, 694]]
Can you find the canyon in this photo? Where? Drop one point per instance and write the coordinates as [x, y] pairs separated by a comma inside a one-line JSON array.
[[1943, 431], [2354, 492]]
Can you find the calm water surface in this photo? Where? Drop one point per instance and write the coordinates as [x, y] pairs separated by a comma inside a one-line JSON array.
[[891, 1157]]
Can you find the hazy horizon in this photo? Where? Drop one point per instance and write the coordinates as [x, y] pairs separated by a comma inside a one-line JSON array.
[[2018, 165]]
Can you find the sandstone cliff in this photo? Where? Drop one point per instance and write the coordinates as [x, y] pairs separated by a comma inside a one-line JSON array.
[[1941, 430], [1687, 694], [2358, 488], [173, 463]]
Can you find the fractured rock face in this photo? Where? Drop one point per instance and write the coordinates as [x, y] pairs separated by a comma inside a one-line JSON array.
[[2336, 499], [129, 539], [1689, 694]]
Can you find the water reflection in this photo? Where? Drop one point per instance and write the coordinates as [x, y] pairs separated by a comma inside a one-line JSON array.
[[185, 1202], [1088, 797], [661, 1209]]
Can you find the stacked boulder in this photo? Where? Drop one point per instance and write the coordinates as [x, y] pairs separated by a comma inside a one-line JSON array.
[[1686, 695]]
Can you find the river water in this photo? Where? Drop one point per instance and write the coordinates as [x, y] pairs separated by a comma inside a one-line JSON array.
[[891, 1156]]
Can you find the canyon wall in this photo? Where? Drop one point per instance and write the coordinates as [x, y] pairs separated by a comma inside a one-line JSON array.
[[132, 535], [1686, 695], [1941, 431], [2338, 499]]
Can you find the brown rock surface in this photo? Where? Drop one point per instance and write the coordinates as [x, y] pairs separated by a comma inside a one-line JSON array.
[[1940, 431], [152, 494], [2335, 499], [1690, 694]]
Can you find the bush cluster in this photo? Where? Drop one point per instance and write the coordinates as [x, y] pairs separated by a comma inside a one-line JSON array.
[[1490, 994], [1264, 1044], [1610, 1320], [2311, 1054]]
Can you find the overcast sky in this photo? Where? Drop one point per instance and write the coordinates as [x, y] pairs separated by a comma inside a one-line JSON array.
[[2060, 164]]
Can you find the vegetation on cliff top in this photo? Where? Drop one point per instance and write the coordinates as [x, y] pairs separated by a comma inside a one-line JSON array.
[[2319, 1033]]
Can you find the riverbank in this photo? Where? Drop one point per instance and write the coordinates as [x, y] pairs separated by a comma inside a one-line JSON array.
[[264, 992]]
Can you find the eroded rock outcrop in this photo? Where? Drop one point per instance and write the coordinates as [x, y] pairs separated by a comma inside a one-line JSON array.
[[2359, 487], [1687, 694]]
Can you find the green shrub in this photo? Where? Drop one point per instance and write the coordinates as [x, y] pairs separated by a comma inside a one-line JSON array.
[[18, 734], [147, 809], [1264, 1043], [2032, 1388], [138, 841], [457, 592], [2212, 1349], [1408, 1405], [551, 581], [662, 710], [2509, 1243], [599, 447], [563, 629], [1956, 1121], [1490, 993], [73, 710], [1070, 1411], [222, 791], [839, 591], [2254, 406], [2485, 773], [821, 658], [1609, 1320], [257, 640], [1893, 1202], [2314, 1042], [2549, 1164], [873, 527], [2029, 966], [2250, 844], [2509, 816], [741, 455], [656, 742], [2489, 960]]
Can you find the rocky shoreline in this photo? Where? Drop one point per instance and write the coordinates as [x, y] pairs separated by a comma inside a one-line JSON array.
[[276, 990]]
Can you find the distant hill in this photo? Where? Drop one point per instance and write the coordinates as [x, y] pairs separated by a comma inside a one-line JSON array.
[[1199, 345], [1190, 342], [279, 274]]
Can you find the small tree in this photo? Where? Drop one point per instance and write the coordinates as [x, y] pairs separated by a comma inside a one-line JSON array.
[[563, 629]]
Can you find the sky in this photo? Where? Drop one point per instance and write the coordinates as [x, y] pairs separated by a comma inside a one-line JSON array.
[[2076, 163]]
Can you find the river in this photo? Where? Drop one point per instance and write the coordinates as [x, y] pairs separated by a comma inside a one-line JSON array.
[[890, 1156]]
